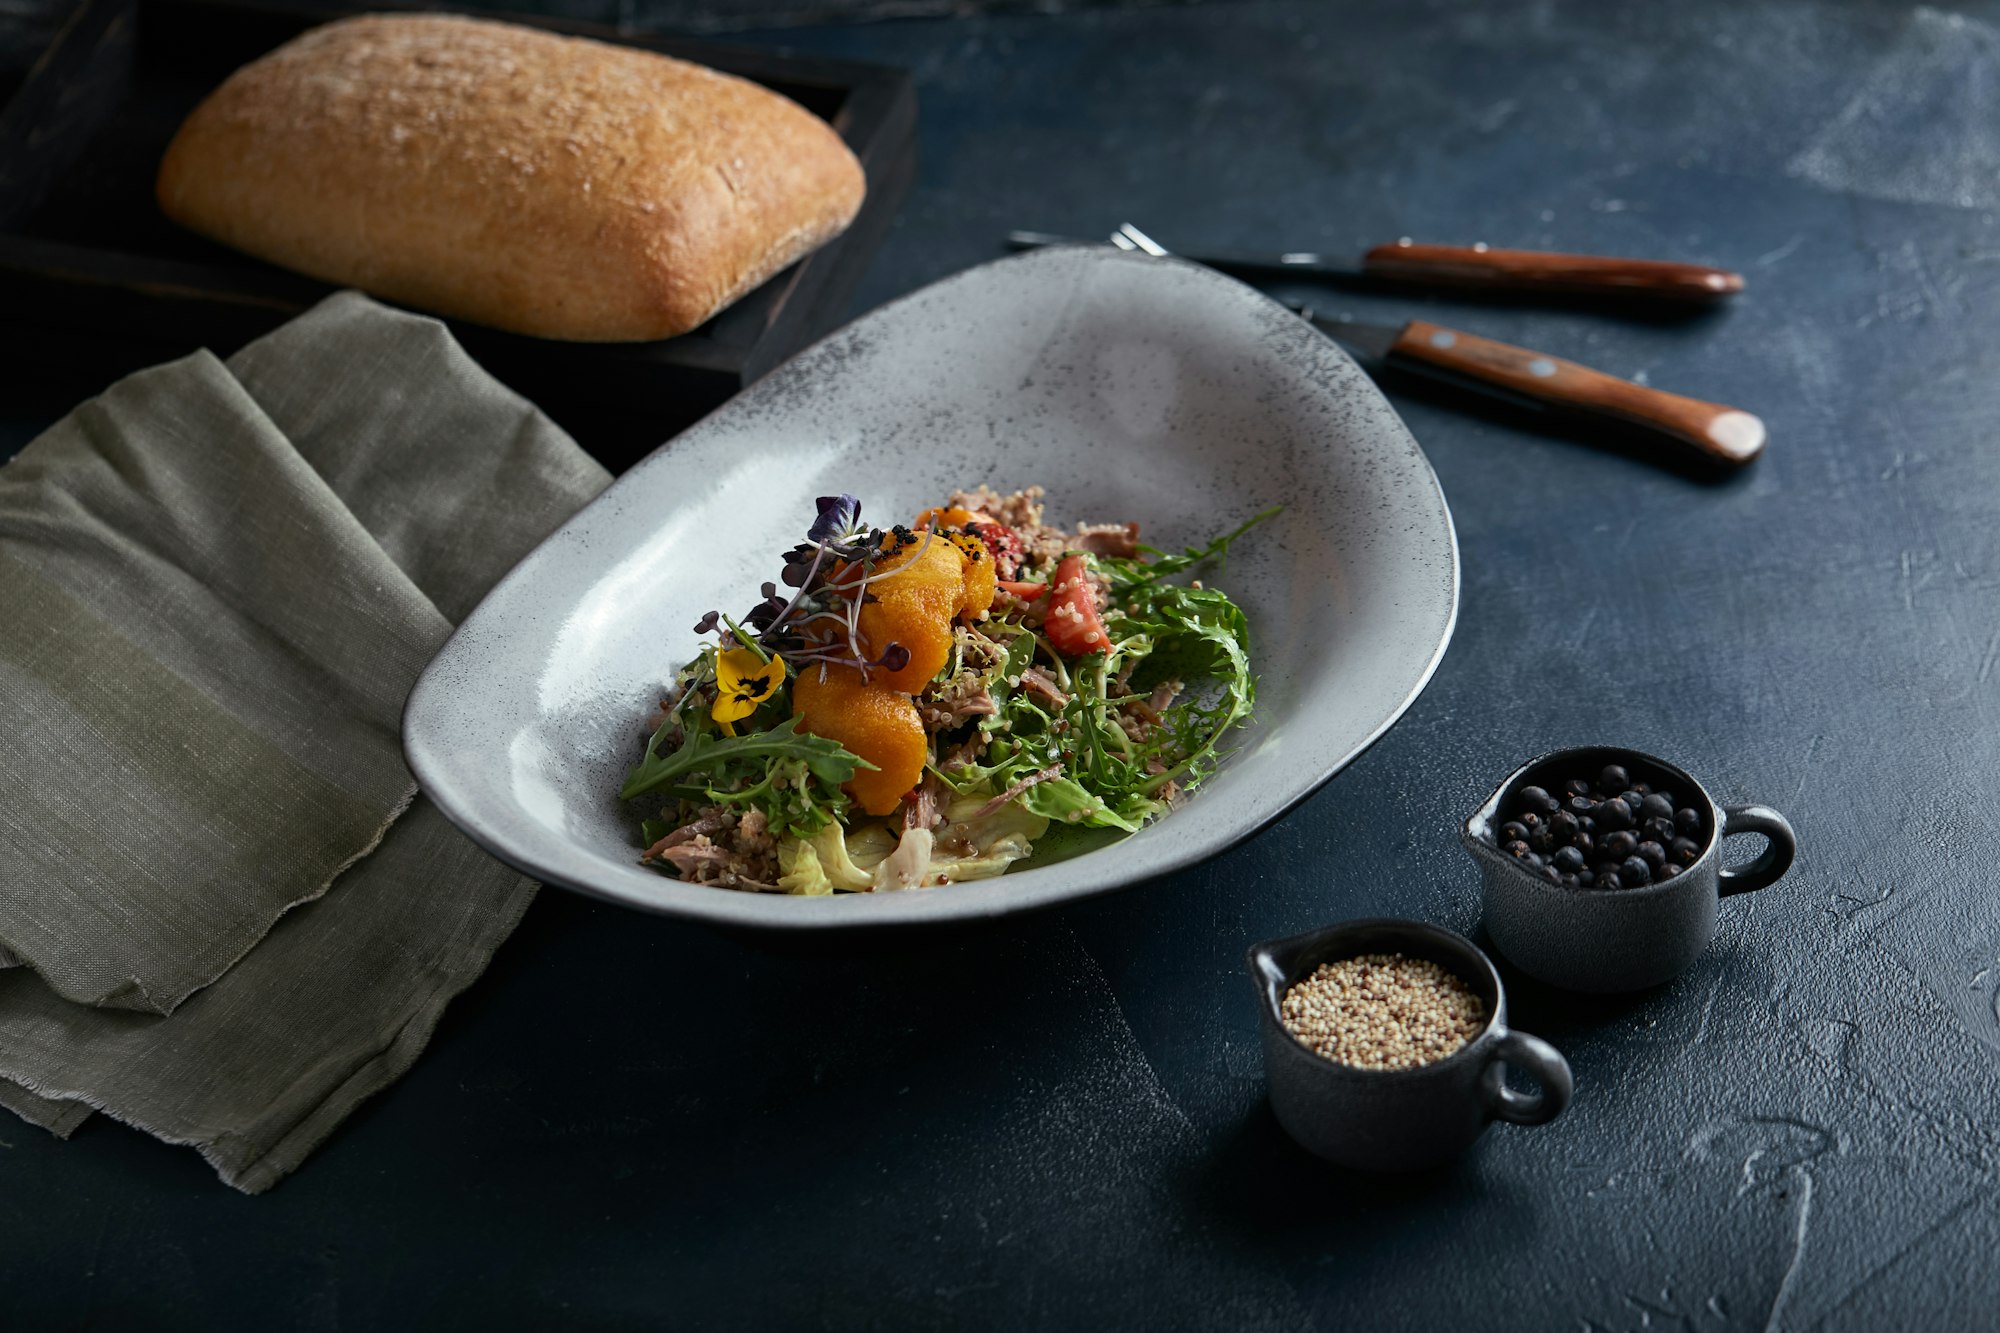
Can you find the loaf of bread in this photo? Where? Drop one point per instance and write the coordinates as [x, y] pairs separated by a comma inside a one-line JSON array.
[[549, 185]]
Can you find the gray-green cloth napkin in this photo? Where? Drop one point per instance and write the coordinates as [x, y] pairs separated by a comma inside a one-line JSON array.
[[229, 577]]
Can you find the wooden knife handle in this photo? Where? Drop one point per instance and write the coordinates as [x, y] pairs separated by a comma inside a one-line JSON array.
[[1726, 434], [1539, 270]]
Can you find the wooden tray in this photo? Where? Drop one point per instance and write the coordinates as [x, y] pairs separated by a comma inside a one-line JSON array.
[[96, 282]]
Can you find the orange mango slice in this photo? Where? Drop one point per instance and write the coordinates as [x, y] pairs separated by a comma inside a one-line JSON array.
[[913, 604], [948, 518], [980, 580], [871, 719]]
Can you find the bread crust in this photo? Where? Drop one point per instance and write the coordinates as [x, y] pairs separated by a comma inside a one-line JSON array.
[[548, 185]]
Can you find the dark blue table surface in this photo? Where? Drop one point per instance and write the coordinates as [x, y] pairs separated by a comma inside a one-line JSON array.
[[1060, 1120]]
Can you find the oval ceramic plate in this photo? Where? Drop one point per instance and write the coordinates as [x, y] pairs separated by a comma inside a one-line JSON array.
[[1130, 387]]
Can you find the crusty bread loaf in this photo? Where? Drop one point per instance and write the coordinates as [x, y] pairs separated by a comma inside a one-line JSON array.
[[549, 185]]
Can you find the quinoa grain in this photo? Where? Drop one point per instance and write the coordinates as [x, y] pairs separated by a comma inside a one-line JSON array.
[[1383, 1011]]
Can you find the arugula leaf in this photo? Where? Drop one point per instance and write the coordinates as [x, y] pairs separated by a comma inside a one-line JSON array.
[[827, 760], [1128, 575]]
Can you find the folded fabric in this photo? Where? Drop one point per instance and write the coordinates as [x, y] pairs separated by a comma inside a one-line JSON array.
[[201, 720], [234, 574]]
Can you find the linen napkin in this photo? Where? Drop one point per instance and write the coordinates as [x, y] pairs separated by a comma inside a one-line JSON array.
[[231, 575]]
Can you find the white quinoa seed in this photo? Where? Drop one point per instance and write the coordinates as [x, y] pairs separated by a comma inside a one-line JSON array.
[[1383, 1011]]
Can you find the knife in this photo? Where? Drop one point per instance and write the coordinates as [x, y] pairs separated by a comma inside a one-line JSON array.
[[1726, 434], [1476, 267]]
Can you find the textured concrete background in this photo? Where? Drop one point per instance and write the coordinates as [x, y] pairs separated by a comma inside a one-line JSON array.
[[1060, 1120]]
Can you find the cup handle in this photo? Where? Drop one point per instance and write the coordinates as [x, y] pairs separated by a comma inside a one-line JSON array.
[[1776, 859], [1539, 1059]]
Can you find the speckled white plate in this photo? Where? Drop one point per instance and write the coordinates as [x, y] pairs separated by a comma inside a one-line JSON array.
[[1132, 388]]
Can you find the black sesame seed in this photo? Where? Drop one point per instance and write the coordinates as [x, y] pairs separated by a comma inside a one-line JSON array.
[[1634, 871]]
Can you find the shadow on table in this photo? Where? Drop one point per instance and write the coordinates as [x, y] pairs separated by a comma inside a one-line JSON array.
[[1259, 1187]]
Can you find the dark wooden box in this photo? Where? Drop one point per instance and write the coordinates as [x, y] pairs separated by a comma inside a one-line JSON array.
[[96, 282]]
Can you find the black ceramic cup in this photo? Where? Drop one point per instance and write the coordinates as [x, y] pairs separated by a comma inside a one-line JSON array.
[[1621, 939], [1398, 1119]]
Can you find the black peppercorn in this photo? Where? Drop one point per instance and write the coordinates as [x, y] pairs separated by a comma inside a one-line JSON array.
[[1534, 798], [1611, 834]]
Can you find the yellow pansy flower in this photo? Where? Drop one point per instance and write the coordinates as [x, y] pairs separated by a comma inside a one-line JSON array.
[[743, 680]]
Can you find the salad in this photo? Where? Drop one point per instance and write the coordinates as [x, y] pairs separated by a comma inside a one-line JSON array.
[[917, 705]]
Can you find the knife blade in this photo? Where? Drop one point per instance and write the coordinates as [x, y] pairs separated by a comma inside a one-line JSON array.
[[1473, 267], [1728, 435]]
